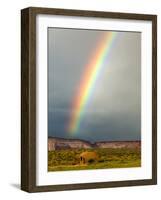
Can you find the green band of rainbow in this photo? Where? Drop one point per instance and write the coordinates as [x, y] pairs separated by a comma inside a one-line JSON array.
[[88, 81]]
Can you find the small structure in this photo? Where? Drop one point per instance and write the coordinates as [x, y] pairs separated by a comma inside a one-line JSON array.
[[88, 157]]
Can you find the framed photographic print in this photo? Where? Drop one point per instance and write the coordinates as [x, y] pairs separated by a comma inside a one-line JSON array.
[[89, 99]]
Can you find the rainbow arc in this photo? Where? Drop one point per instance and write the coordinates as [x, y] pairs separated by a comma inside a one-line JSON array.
[[88, 81]]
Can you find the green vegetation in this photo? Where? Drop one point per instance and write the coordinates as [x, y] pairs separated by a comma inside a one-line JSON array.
[[60, 160]]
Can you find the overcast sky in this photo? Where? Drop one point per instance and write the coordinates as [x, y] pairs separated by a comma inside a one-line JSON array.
[[114, 109]]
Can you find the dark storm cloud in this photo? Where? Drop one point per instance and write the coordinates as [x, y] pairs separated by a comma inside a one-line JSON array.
[[114, 108]]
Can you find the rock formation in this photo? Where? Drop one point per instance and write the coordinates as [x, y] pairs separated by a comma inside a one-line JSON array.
[[55, 143], [119, 144], [61, 143]]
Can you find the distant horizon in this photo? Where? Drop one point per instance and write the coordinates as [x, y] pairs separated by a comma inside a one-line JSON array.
[[93, 141]]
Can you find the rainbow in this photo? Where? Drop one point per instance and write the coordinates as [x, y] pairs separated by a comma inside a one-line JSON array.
[[88, 81]]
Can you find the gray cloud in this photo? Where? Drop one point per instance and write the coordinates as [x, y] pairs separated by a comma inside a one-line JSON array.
[[114, 107]]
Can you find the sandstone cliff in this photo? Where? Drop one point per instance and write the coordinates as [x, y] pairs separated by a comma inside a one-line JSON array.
[[61, 143], [119, 144]]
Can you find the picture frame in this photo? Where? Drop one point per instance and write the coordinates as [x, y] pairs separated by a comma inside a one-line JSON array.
[[30, 106]]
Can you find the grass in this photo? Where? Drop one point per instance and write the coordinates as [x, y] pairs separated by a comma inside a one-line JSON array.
[[61, 160]]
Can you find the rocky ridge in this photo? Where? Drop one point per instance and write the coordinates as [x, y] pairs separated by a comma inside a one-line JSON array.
[[55, 143]]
